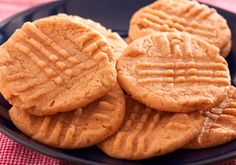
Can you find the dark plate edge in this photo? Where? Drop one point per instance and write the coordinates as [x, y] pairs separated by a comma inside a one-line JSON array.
[[37, 7], [9, 133]]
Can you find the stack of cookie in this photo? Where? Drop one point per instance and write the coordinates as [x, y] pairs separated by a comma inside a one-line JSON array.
[[60, 74]]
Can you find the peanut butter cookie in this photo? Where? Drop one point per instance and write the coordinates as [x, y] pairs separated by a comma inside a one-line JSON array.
[[182, 15], [55, 65], [147, 133], [174, 72], [219, 126], [117, 43], [83, 127]]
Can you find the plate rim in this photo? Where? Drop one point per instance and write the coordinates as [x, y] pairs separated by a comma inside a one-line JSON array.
[[6, 20], [9, 133]]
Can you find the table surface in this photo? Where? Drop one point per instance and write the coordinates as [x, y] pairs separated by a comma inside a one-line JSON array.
[[14, 153]]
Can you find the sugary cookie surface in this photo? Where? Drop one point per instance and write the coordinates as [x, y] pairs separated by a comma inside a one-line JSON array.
[[219, 126], [185, 16], [117, 43], [147, 133], [80, 128], [55, 65], [174, 72]]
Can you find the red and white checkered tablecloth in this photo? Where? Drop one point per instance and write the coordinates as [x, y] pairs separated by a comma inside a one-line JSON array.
[[12, 153]]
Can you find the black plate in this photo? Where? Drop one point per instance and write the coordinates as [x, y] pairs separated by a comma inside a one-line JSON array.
[[114, 14]]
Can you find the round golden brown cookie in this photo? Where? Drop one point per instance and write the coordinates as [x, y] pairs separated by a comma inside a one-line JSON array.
[[116, 42], [174, 72], [55, 65], [182, 15], [83, 127], [219, 126], [147, 133]]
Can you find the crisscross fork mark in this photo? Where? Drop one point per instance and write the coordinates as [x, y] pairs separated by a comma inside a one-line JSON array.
[[190, 9], [165, 22], [185, 72], [25, 37], [121, 135]]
